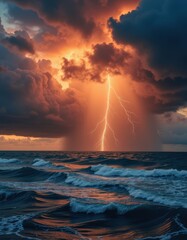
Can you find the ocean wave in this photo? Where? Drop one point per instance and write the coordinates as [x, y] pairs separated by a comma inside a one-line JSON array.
[[31, 174], [38, 162], [84, 206], [171, 201], [162, 191], [107, 171], [41, 163], [89, 181], [5, 194], [56, 176], [18, 196], [10, 160], [13, 224], [24, 172]]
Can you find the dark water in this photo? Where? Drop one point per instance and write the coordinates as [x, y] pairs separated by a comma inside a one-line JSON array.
[[56, 195]]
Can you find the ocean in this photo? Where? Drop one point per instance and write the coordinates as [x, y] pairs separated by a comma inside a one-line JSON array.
[[112, 196]]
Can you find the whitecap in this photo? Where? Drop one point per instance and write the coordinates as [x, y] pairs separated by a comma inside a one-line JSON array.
[[172, 200], [89, 180], [104, 170], [5, 161], [96, 207], [40, 162]]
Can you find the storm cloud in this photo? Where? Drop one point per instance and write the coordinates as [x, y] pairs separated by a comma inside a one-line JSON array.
[[103, 58], [22, 44], [157, 30], [81, 15], [32, 102]]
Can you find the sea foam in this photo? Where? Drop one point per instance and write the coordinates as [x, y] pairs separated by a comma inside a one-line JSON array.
[[89, 180], [104, 170], [171, 201], [99, 207]]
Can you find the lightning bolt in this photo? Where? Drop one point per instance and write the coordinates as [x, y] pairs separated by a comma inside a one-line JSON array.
[[105, 120], [127, 113], [106, 123]]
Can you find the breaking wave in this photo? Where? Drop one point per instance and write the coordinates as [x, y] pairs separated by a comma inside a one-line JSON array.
[[104, 170], [171, 201], [89, 181], [98, 207]]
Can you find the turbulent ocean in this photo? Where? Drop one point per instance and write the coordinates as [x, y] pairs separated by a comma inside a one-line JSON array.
[[57, 195]]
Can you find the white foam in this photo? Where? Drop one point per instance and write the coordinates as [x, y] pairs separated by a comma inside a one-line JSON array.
[[104, 170], [98, 207], [40, 162], [88, 180], [158, 198], [11, 160]]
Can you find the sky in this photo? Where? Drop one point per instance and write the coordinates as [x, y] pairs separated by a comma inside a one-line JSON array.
[[93, 75]]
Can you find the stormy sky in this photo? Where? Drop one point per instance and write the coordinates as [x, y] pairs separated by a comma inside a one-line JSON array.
[[51, 49]]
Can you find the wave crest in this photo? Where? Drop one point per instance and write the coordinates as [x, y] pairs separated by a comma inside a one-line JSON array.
[[98, 207], [40, 162], [10, 160], [104, 170]]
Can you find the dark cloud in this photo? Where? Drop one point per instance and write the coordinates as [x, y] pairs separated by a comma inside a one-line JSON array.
[[80, 14], [2, 30], [107, 56], [73, 70], [10, 60], [24, 17], [29, 20], [171, 94], [22, 44], [20, 41], [103, 58], [158, 31], [172, 127], [70, 12], [159, 95], [32, 103]]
